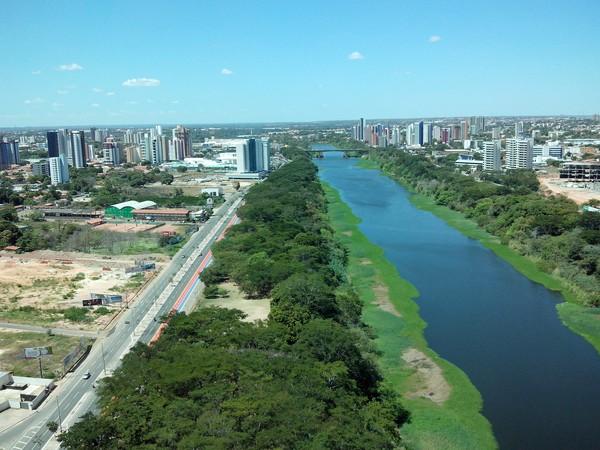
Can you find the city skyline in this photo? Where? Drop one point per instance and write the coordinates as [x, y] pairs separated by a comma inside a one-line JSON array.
[[209, 66]]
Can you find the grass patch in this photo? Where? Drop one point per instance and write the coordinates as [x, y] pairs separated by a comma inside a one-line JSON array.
[[13, 343], [455, 424]]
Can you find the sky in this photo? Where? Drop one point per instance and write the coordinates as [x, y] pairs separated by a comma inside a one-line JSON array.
[[84, 62]]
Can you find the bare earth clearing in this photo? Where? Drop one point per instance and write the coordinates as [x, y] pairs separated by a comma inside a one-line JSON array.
[[556, 186], [52, 280], [256, 309], [434, 385]]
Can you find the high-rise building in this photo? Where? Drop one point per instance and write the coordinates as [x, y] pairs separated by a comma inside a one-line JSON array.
[[491, 155], [77, 153], [110, 152], [519, 153], [495, 133], [5, 155], [183, 135], [58, 156], [53, 145], [252, 155], [427, 133], [156, 151], [132, 154], [464, 130], [59, 170]]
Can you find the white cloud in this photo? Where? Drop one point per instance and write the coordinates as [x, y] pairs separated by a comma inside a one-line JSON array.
[[435, 38], [175, 102], [32, 101], [70, 67], [96, 89], [141, 82], [354, 56], [62, 92], [110, 93], [36, 72], [226, 71], [94, 105]]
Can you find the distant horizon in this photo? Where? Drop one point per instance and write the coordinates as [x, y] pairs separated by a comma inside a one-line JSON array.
[[292, 122]]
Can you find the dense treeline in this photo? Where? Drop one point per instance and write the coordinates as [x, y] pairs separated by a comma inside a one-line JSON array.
[[304, 379], [551, 230]]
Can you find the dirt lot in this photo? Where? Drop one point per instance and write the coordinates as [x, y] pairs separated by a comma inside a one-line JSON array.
[[580, 195], [255, 309], [33, 287], [12, 344], [126, 227]]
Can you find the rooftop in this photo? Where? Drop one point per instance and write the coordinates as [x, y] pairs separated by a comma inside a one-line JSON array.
[[135, 205]]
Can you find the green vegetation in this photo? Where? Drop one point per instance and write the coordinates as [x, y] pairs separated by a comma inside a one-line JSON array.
[[546, 238], [304, 379], [389, 309]]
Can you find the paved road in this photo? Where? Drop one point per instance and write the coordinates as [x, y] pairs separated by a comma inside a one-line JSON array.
[[61, 331], [75, 396]]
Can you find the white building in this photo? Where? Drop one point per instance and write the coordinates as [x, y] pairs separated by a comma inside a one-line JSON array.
[[59, 171], [519, 153], [491, 155]]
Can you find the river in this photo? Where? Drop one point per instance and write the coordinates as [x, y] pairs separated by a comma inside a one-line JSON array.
[[540, 382]]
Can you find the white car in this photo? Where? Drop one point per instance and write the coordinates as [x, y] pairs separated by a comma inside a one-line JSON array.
[[86, 375]]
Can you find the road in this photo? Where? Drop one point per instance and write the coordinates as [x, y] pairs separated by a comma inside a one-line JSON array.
[[74, 396]]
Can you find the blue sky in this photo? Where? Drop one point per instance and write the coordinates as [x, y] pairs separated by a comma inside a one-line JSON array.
[[126, 62]]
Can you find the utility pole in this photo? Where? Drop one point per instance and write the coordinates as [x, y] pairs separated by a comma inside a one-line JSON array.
[[59, 419], [40, 363], [103, 360]]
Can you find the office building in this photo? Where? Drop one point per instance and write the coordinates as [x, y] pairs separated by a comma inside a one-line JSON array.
[[252, 155], [9, 153], [519, 153], [492, 155], [52, 144], [77, 149], [59, 171], [5, 155]]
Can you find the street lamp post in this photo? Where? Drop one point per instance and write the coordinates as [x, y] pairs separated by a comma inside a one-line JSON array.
[[103, 360]]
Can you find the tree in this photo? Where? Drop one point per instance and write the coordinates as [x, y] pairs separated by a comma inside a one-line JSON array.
[[52, 426]]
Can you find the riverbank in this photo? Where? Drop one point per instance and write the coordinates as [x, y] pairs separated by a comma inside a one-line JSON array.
[[444, 404], [582, 320]]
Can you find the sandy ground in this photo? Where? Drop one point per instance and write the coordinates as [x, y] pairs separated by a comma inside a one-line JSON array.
[[554, 185], [382, 299], [40, 281], [256, 309], [433, 385], [126, 227]]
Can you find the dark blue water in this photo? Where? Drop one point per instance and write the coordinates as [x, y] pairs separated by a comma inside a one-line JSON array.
[[539, 381]]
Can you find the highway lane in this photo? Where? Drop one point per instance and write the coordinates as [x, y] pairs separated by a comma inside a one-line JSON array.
[[136, 324]]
